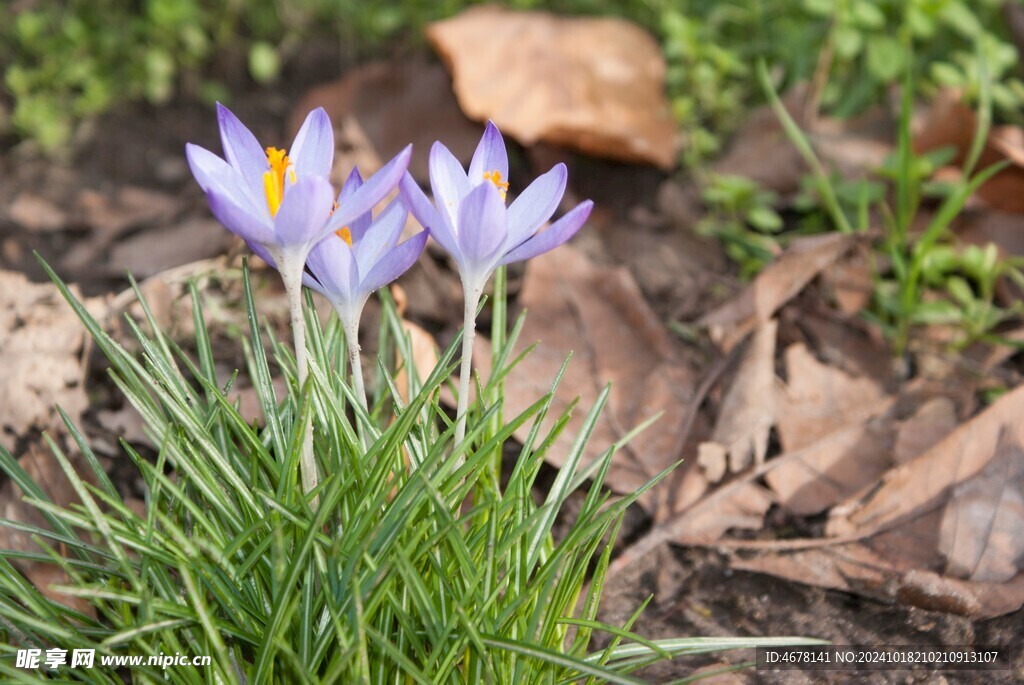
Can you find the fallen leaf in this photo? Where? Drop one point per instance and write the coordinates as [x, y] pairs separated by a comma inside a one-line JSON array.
[[847, 344], [980, 534], [711, 518], [777, 283], [933, 420], [959, 501], [154, 251], [392, 104], [761, 151], [111, 214], [422, 346], [820, 399], [857, 569], [597, 313], [36, 214], [40, 343], [924, 483], [950, 122], [851, 282], [815, 476], [748, 410], [592, 83]]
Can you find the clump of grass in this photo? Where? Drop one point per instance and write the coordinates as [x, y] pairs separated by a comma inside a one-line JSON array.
[[407, 563]]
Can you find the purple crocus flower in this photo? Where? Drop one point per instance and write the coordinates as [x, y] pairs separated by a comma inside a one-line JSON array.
[[471, 221], [282, 204], [361, 258]]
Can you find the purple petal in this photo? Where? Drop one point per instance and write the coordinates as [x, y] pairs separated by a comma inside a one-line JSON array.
[[490, 156], [427, 215], [312, 151], [448, 183], [553, 236], [381, 237], [302, 218], [483, 225], [262, 253], [395, 263], [536, 205], [366, 196], [331, 262], [357, 227], [243, 151], [214, 174], [239, 220]]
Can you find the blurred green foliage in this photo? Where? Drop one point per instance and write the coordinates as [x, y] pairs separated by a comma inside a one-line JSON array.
[[64, 61]]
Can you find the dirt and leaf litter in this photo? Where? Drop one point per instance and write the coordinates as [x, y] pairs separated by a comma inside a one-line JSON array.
[[820, 493]]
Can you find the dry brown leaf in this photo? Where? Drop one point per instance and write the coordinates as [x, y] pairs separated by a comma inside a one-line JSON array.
[[748, 410], [774, 286], [820, 399], [424, 357], [959, 501], [933, 420], [40, 343], [37, 214], [952, 123], [856, 568], [980, 534], [155, 251], [384, 106], [760, 150], [924, 483], [847, 344], [833, 467], [597, 314], [592, 83], [851, 282], [709, 519]]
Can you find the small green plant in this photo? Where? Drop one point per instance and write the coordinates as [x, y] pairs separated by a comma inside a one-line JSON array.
[[741, 214], [925, 278]]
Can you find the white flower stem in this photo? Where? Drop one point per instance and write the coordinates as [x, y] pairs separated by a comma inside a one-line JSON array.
[[465, 370], [291, 266], [355, 361]]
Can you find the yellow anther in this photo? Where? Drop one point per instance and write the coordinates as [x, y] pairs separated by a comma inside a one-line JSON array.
[[273, 180], [345, 235], [495, 178]]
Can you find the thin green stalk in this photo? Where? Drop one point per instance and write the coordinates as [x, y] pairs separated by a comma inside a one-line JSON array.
[[499, 317], [355, 361], [465, 370], [291, 265]]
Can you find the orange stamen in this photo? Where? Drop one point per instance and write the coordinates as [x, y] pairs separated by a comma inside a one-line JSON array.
[[495, 178], [273, 180], [345, 235]]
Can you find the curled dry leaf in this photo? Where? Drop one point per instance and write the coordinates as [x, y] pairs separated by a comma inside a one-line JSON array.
[[598, 314], [747, 414], [957, 505], [591, 83], [779, 282], [933, 420], [383, 106], [820, 399], [41, 341], [760, 150], [980, 535], [950, 122]]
